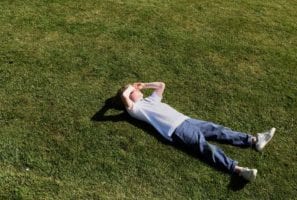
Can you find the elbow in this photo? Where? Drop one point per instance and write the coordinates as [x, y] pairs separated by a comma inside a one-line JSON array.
[[162, 85]]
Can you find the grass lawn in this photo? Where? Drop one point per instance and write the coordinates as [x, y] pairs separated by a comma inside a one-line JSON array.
[[230, 62]]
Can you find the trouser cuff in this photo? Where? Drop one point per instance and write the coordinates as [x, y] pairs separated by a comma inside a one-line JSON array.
[[233, 165], [250, 141]]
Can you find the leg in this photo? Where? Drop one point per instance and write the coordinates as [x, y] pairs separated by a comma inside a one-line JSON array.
[[190, 135], [216, 157], [194, 140], [212, 131]]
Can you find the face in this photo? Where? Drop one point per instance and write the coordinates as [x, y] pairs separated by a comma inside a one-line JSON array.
[[136, 95]]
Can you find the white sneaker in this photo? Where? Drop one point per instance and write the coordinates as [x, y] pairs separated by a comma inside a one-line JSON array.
[[248, 174], [264, 138]]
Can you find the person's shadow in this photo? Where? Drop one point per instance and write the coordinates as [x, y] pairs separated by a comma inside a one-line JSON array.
[[236, 183], [112, 103]]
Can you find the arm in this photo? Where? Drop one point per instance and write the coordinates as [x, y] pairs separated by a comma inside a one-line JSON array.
[[159, 87], [126, 97]]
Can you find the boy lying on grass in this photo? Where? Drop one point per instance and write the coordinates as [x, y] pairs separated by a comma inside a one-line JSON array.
[[179, 128]]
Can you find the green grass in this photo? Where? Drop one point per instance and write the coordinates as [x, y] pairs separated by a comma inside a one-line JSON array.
[[231, 62]]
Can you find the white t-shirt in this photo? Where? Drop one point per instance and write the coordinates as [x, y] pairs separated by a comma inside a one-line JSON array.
[[160, 115]]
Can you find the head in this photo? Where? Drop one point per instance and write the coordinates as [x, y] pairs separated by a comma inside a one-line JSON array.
[[134, 96]]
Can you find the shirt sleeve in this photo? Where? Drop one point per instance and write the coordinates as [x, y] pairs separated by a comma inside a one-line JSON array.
[[155, 97]]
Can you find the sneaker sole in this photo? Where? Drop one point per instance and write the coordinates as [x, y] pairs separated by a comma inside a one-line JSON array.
[[251, 177], [254, 175], [271, 132]]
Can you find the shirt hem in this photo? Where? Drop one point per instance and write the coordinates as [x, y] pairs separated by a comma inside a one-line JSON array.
[[179, 122]]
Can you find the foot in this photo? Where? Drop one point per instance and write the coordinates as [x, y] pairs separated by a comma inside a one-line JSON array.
[[248, 174], [263, 139]]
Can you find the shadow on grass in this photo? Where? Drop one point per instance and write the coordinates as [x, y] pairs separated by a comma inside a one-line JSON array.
[[236, 182], [111, 103]]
